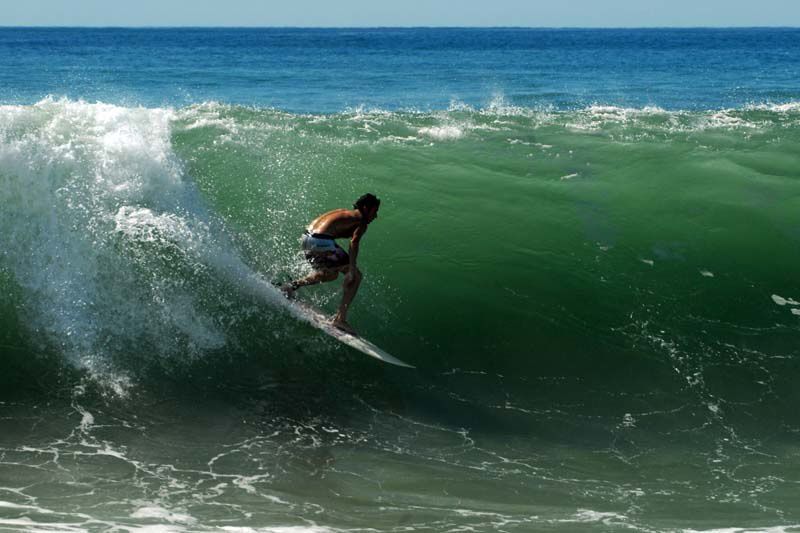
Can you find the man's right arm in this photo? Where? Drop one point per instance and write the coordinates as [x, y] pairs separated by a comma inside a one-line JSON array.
[[354, 245]]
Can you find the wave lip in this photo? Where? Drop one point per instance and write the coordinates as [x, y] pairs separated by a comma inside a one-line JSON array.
[[460, 119]]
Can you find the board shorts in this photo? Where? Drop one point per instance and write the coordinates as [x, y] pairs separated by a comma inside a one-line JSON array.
[[322, 252]]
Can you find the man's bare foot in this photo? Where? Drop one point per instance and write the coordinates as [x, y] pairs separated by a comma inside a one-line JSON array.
[[288, 290], [344, 326]]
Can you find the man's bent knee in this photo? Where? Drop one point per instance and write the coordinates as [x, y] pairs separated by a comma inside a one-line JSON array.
[[356, 277]]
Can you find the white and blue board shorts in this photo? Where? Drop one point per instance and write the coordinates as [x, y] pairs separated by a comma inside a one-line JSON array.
[[322, 251]]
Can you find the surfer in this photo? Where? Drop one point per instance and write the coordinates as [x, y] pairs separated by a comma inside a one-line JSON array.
[[328, 259]]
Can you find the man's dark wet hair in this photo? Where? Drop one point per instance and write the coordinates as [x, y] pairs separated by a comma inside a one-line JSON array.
[[367, 200]]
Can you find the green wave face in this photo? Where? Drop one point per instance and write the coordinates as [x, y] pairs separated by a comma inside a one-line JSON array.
[[526, 239], [605, 242]]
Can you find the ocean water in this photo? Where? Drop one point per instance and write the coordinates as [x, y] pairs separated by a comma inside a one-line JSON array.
[[588, 246]]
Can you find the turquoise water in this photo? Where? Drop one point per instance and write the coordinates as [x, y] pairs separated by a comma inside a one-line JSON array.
[[599, 292]]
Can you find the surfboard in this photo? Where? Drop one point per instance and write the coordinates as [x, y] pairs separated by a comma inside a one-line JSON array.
[[323, 323]]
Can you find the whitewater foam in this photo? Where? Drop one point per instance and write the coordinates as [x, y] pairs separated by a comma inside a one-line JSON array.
[[443, 133], [154, 511], [99, 213]]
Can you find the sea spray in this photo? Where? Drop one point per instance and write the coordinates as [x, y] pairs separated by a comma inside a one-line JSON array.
[[98, 213]]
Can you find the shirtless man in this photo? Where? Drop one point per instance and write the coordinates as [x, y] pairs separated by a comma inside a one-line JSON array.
[[328, 259]]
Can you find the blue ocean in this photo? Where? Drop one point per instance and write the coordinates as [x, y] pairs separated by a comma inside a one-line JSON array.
[[588, 248]]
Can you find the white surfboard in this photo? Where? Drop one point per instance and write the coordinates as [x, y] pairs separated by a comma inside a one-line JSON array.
[[323, 323]]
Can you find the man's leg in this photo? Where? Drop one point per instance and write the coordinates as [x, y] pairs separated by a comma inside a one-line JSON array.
[[350, 288], [319, 276]]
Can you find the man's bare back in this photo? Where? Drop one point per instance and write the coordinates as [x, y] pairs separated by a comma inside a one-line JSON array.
[[339, 223]]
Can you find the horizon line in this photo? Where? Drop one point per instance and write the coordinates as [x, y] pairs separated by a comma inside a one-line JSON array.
[[408, 27]]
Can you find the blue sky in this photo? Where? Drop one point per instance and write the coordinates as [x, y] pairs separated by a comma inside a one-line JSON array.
[[558, 13]]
